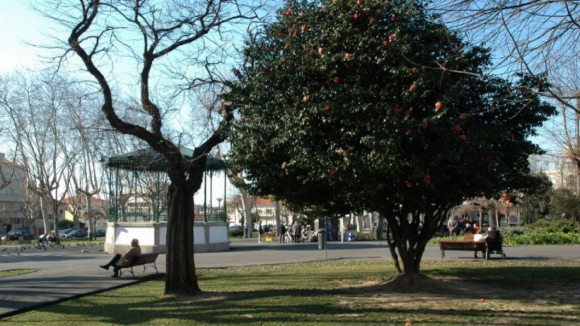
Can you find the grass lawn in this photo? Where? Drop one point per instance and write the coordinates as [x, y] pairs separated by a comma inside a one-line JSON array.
[[12, 272], [344, 292]]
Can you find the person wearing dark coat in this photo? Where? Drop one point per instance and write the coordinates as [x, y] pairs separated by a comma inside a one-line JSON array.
[[282, 233], [124, 260], [260, 232]]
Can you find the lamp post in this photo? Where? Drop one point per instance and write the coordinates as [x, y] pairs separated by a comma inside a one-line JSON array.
[[219, 202]]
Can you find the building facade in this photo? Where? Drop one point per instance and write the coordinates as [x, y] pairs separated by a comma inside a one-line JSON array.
[[13, 182]]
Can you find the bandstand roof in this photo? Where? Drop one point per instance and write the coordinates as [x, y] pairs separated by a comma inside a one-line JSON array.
[[150, 160]]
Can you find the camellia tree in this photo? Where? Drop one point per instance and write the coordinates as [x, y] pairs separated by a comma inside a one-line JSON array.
[[364, 105]]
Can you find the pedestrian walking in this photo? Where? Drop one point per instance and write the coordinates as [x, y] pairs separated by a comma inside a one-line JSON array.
[[296, 232], [282, 233]]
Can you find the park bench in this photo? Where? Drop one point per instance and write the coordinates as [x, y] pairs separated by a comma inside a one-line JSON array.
[[145, 260], [468, 244]]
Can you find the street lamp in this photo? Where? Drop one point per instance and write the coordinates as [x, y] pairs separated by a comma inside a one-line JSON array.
[[219, 202]]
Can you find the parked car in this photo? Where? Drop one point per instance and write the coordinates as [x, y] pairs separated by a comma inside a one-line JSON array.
[[63, 233], [76, 234], [100, 233], [16, 234]]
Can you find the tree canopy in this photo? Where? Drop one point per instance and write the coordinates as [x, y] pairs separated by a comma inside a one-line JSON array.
[[358, 105]]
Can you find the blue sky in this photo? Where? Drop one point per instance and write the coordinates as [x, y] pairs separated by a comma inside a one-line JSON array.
[[19, 24]]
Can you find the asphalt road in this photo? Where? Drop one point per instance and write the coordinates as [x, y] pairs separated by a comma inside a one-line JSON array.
[[67, 273]]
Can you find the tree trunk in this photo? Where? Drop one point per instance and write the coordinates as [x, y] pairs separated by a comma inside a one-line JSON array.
[[180, 265], [278, 220], [90, 224], [247, 214], [45, 220], [359, 222], [408, 238]]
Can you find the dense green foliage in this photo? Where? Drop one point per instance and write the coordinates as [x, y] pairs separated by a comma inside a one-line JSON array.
[[563, 201], [556, 225], [542, 238], [535, 204], [329, 101], [354, 105]]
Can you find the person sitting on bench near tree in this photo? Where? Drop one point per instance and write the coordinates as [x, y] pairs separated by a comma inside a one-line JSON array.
[[119, 261], [494, 240]]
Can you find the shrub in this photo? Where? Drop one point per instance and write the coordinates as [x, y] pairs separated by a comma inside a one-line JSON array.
[[237, 233], [506, 232], [547, 238], [364, 236], [515, 237], [549, 226]]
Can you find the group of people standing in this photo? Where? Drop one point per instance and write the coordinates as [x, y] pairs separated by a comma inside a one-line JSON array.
[[462, 226], [295, 232]]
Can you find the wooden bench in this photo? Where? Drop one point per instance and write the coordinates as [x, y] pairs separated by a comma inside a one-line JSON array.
[[145, 260], [468, 244]]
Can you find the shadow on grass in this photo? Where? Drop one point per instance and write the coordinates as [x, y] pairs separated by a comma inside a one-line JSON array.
[[284, 306], [509, 273]]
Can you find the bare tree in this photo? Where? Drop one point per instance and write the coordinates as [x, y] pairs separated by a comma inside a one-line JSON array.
[[34, 107], [536, 37], [86, 171], [176, 46]]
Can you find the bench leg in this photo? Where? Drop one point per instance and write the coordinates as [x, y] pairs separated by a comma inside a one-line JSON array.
[[150, 265], [130, 270], [442, 254]]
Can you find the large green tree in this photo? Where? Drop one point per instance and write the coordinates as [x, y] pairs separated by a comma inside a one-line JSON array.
[[364, 105]]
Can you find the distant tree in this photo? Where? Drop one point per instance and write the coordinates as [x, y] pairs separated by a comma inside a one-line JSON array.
[[564, 204], [536, 203], [534, 37], [35, 106], [356, 106]]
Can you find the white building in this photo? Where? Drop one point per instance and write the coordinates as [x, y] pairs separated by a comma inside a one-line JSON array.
[[13, 182]]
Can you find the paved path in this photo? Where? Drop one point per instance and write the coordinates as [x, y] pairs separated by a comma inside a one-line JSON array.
[[71, 272]]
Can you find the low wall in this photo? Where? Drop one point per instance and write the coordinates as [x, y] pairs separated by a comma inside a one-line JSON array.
[[207, 237]]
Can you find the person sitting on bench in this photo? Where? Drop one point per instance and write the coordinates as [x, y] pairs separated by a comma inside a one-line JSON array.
[[493, 240], [124, 260]]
